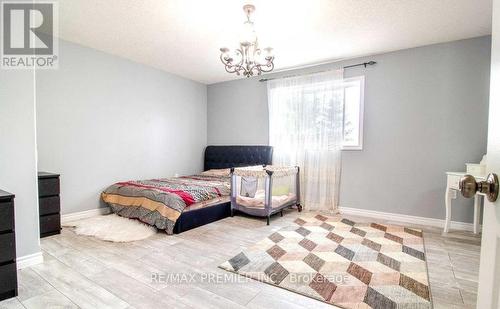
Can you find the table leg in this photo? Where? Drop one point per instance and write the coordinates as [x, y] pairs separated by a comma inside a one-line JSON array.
[[477, 207], [448, 210]]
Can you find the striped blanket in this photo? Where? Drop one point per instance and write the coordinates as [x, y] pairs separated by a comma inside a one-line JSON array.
[[160, 202]]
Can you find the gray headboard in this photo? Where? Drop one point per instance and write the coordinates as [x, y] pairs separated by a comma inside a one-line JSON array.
[[234, 156]]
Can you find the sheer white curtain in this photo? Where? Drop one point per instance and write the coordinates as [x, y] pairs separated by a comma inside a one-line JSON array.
[[306, 129]]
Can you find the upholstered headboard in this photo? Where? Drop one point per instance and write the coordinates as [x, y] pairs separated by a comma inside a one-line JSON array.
[[233, 156]]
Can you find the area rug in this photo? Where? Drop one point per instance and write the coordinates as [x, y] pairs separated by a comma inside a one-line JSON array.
[[341, 262], [112, 228]]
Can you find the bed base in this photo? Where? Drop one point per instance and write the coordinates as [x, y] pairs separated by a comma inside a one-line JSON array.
[[196, 218]]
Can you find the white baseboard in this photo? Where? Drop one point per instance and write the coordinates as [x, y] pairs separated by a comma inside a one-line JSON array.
[[84, 214], [463, 226], [37, 258], [29, 260]]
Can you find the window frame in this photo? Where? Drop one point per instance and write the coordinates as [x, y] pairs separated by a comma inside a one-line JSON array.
[[361, 80]]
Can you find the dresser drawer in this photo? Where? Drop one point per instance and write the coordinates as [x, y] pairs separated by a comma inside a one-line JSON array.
[[7, 247], [50, 224], [9, 278], [48, 186], [453, 181], [6, 216], [49, 205]]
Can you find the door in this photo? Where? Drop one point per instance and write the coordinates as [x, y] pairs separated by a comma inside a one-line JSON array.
[[489, 270]]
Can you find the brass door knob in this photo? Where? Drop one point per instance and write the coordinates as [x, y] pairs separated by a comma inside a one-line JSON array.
[[469, 186]]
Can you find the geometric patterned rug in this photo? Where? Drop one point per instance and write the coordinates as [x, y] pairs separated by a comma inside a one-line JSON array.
[[341, 262]]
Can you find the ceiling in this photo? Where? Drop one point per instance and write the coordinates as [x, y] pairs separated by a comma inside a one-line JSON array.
[[183, 37]]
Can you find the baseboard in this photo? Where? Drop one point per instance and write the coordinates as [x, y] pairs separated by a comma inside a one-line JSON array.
[[29, 260], [84, 214], [456, 225]]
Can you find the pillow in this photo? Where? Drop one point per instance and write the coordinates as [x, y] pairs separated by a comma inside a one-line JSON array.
[[223, 172]]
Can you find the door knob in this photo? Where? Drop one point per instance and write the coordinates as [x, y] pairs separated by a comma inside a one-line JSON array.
[[469, 186]]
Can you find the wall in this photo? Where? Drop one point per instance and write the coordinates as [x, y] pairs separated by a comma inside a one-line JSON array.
[[18, 154], [425, 113], [103, 119]]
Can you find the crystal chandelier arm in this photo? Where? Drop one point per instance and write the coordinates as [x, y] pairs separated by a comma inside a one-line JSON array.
[[242, 56], [231, 67], [239, 66], [269, 66]]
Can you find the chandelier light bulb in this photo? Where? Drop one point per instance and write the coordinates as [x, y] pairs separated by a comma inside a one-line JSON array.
[[249, 36], [268, 51]]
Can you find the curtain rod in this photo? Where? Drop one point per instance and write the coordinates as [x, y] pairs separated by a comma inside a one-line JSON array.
[[365, 64]]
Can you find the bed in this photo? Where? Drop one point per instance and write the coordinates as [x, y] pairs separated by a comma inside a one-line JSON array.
[[178, 204]]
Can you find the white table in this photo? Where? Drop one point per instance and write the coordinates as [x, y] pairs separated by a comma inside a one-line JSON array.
[[452, 184]]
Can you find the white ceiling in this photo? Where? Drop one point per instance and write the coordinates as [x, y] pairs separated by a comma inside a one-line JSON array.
[[184, 36]]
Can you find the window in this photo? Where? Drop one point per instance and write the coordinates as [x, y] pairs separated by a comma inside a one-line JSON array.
[[353, 113]]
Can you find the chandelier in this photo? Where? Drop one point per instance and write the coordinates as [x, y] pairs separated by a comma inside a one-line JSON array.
[[248, 59]]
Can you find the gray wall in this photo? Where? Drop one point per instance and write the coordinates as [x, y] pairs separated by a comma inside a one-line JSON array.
[[425, 113], [103, 119], [18, 154]]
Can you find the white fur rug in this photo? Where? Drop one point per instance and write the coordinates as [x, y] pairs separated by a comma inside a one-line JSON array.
[[112, 228]]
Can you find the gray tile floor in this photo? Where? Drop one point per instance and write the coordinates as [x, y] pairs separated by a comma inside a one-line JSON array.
[[83, 272]]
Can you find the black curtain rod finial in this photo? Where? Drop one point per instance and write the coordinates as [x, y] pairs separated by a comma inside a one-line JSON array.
[[368, 63], [365, 64]]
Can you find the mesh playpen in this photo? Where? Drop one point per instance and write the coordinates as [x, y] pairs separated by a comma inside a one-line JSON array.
[[264, 190]]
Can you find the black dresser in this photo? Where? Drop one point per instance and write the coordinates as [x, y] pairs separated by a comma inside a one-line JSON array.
[[49, 204], [8, 269]]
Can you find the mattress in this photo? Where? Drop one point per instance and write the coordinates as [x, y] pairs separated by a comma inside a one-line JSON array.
[[209, 203], [259, 200]]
